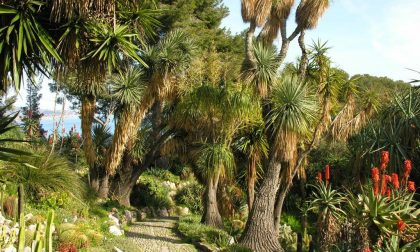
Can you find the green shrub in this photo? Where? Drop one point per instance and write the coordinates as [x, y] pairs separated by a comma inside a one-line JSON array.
[[194, 231], [236, 248], [191, 196], [43, 174], [152, 193], [163, 175]]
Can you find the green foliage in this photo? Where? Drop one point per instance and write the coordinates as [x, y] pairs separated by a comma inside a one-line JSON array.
[[191, 196], [45, 174], [153, 193], [164, 175], [54, 200], [24, 43], [325, 200], [236, 248], [194, 231], [80, 234], [294, 108]]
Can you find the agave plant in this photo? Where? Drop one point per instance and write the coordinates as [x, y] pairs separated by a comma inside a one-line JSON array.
[[327, 202]]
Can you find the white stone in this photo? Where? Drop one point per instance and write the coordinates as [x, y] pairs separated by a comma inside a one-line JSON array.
[[163, 212], [115, 230], [10, 248], [32, 227], [118, 250], [28, 216], [2, 219], [114, 219], [27, 249]]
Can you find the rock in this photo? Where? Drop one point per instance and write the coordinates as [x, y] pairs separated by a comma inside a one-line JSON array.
[[143, 215], [117, 249], [28, 217], [10, 248], [170, 185], [2, 219], [32, 227], [115, 230], [181, 211], [128, 216], [163, 212], [114, 219], [231, 241], [27, 249]]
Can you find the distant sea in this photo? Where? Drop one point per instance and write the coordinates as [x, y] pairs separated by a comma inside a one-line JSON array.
[[69, 121]]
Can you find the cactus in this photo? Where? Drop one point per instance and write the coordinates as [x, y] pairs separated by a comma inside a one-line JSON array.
[[21, 238], [38, 247], [2, 190], [21, 198], [37, 238], [48, 232]]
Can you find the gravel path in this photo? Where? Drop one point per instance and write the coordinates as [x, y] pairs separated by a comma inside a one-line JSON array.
[[156, 235]]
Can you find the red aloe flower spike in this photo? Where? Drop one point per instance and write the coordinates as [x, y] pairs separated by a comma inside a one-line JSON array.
[[384, 159], [388, 193], [411, 186], [319, 177], [407, 168], [367, 250], [375, 174], [384, 184], [327, 174], [401, 225], [395, 181]]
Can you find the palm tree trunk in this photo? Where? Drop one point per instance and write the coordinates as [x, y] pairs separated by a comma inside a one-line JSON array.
[[212, 214], [304, 57], [260, 233], [103, 190], [252, 176], [87, 116], [127, 126], [248, 43]]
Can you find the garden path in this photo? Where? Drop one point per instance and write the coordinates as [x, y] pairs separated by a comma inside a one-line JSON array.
[[158, 235]]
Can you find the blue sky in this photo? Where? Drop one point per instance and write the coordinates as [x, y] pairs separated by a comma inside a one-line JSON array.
[[378, 37]]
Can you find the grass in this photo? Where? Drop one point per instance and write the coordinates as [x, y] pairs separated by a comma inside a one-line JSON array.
[[194, 231]]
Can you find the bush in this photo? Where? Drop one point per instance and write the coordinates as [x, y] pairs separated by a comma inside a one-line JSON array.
[[194, 231], [162, 174], [152, 193], [236, 248], [42, 174], [191, 196]]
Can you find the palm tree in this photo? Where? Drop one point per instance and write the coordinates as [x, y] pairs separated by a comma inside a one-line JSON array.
[[253, 143], [261, 75], [212, 115], [215, 161], [94, 47], [165, 60], [293, 110], [309, 12]]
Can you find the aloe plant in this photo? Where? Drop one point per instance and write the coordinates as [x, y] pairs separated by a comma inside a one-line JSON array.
[[21, 238]]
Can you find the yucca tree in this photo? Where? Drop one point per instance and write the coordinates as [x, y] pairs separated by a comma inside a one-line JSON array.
[[165, 60], [95, 47], [293, 110], [25, 45], [253, 143], [212, 115], [215, 161]]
